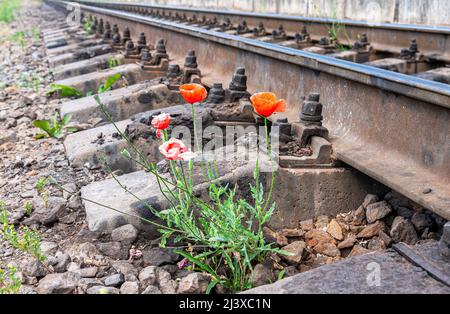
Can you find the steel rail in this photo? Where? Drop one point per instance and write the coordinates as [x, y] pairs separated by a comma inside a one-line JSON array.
[[433, 41], [390, 126]]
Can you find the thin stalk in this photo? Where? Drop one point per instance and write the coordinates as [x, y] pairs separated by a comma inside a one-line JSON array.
[[272, 181]]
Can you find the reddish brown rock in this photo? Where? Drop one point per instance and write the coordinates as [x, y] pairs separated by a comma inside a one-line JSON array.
[[307, 225], [335, 230], [296, 249], [347, 243], [327, 248], [372, 230], [313, 237], [292, 233]]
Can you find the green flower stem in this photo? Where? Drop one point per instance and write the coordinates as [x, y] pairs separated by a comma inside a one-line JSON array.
[[269, 151]]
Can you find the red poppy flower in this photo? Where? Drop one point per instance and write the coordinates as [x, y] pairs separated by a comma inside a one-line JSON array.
[[265, 104], [174, 149], [193, 93], [161, 121]]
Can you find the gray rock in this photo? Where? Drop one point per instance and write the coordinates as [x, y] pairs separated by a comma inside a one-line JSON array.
[[68, 219], [33, 268], [159, 256], [129, 287], [369, 200], [397, 200], [102, 290], [262, 275], [48, 247], [404, 212], [62, 262], [402, 230], [377, 211], [113, 250], [114, 280], [7, 136], [75, 202], [125, 268], [86, 283], [126, 233], [69, 189], [49, 213], [194, 283], [151, 290], [64, 283], [88, 272], [422, 221], [165, 282], [83, 251], [147, 276], [16, 216]]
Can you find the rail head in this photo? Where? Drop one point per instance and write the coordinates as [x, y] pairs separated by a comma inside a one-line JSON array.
[[284, 17], [429, 91]]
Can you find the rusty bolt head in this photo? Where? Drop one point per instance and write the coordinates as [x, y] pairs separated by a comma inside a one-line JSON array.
[[161, 46], [146, 55], [239, 80], [129, 46], [174, 70], [216, 94], [312, 109], [191, 60], [141, 39]]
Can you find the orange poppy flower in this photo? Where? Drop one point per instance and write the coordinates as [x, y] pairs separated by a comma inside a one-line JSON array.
[[193, 93], [265, 104]]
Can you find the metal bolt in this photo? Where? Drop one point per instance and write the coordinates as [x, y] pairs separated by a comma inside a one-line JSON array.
[[312, 109], [129, 46], [216, 94], [126, 35], [101, 28], [146, 55], [239, 80], [173, 71], [161, 46], [191, 60]]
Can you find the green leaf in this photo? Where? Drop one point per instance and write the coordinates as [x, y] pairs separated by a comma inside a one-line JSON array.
[[196, 261], [43, 125], [281, 274], [40, 136], [110, 81], [211, 285], [66, 120], [64, 91], [71, 129]]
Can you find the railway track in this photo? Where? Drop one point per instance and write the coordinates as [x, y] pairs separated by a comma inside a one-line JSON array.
[[389, 125]]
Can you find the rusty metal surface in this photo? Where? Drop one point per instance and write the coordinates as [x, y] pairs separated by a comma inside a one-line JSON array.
[[434, 42], [390, 126]]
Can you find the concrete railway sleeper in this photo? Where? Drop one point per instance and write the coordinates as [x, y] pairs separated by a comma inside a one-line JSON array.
[[336, 212]]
